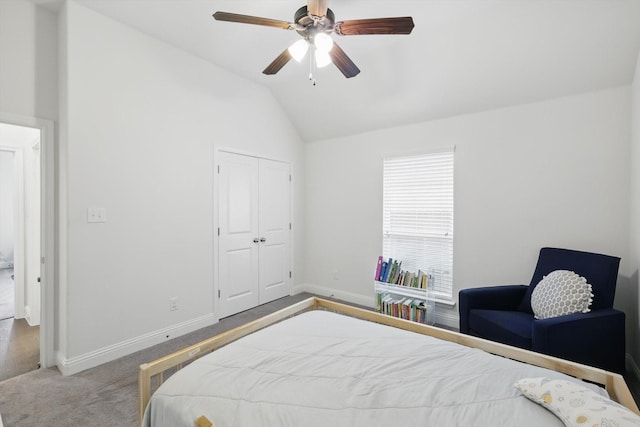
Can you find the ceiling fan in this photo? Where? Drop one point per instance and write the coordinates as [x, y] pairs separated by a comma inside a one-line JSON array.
[[314, 23]]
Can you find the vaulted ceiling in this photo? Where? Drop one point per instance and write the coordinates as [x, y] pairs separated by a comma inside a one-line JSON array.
[[463, 56]]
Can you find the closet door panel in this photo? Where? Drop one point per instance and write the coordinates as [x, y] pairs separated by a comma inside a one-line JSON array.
[[238, 263], [274, 230]]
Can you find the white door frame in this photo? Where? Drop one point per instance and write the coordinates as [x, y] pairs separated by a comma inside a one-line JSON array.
[[47, 224], [34, 216]]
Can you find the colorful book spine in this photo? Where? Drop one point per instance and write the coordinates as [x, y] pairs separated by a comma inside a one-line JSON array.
[[378, 268], [383, 270], [388, 270]]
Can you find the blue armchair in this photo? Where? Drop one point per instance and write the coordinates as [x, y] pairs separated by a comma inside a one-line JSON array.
[[504, 314]]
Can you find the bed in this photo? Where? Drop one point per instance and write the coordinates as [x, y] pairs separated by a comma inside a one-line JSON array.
[[319, 363]]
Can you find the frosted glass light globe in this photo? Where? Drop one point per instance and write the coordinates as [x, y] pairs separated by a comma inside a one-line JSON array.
[[323, 42], [298, 50], [322, 58]]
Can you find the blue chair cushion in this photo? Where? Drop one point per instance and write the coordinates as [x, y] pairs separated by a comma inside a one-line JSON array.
[[508, 327]]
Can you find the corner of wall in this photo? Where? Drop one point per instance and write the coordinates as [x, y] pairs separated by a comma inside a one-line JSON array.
[[61, 190], [634, 196]]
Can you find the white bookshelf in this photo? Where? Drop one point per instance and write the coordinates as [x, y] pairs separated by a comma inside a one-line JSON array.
[[403, 293]]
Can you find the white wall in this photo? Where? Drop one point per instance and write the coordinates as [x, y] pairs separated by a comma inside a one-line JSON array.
[[633, 297], [7, 194], [553, 173], [139, 120], [28, 69]]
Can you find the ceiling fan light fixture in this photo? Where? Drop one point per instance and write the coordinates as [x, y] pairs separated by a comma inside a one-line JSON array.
[[299, 49], [316, 23], [323, 42], [322, 58]]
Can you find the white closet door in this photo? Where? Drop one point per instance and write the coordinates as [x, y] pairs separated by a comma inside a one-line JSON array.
[[274, 230], [238, 254]]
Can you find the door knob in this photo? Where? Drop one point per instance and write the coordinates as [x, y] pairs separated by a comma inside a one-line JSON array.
[[262, 239], [256, 240]]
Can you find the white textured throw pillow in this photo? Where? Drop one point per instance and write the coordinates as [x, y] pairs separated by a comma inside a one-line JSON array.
[[576, 405], [561, 292]]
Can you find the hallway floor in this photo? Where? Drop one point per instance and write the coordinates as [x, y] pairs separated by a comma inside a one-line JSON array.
[[19, 342]]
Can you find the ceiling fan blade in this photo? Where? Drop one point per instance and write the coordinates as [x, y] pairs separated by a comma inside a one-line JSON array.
[[256, 20], [317, 7], [343, 62], [402, 25], [278, 63]]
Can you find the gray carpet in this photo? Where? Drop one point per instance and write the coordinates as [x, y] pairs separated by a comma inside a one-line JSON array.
[[105, 396]]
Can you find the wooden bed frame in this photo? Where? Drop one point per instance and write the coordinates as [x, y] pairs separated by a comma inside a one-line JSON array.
[[151, 375]]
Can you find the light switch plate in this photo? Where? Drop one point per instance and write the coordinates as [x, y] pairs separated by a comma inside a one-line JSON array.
[[96, 215]]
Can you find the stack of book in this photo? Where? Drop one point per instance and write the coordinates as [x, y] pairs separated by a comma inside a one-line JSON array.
[[390, 271], [404, 308]]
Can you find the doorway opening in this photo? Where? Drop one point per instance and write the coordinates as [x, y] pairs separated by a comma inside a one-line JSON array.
[[20, 249]]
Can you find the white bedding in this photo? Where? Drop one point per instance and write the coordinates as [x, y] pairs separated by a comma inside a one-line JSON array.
[[325, 369]]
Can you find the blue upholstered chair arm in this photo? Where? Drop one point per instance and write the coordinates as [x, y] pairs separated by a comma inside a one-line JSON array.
[[595, 338], [506, 297]]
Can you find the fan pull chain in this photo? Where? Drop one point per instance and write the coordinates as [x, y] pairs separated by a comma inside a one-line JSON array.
[[312, 69]]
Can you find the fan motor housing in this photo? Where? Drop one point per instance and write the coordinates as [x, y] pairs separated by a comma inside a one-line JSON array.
[[305, 20]]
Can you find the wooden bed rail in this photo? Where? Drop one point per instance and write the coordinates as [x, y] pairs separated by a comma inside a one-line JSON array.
[[614, 383]]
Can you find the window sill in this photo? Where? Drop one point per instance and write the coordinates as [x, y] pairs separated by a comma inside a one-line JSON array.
[[445, 302]]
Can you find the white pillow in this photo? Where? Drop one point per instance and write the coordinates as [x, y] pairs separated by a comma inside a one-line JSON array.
[[576, 405], [561, 292]]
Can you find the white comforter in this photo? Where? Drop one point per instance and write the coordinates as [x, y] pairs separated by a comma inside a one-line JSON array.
[[325, 369]]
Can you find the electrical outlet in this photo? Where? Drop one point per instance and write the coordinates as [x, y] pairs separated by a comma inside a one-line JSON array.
[[173, 304], [96, 215]]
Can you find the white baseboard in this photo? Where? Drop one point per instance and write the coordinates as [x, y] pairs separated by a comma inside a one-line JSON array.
[[30, 319], [73, 365], [353, 298], [447, 316], [444, 315]]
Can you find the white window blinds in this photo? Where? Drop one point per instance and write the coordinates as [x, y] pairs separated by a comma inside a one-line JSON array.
[[418, 216]]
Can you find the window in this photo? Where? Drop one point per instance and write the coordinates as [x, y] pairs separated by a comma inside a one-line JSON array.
[[418, 216]]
